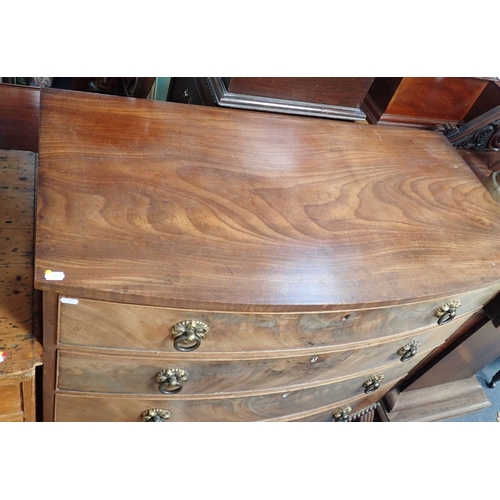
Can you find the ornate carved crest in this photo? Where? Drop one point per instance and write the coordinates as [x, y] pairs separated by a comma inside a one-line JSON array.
[[481, 133], [485, 139]]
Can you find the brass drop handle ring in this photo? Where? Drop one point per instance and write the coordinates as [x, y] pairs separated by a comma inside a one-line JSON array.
[[342, 415], [189, 334], [373, 383], [447, 312], [171, 380], [409, 350], [156, 415]]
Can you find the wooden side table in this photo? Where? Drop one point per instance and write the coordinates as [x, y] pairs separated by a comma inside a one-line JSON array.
[[20, 350]]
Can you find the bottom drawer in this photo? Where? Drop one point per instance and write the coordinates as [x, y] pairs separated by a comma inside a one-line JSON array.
[[354, 410], [73, 407]]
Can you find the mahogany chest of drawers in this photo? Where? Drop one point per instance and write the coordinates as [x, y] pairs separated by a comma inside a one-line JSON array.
[[206, 264]]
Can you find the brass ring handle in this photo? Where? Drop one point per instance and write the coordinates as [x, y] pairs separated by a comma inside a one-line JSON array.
[[171, 380], [408, 350], [342, 415], [373, 383], [447, 312], [183, 344], [156, 415], [189, 334]]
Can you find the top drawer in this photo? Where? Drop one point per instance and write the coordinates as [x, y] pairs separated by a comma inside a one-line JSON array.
[[124, 326]]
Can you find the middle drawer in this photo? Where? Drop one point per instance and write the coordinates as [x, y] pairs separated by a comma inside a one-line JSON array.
[[89, 371]]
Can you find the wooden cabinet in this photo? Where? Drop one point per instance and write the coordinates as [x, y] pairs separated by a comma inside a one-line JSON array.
[[426, 102], [333, 97], [19, 117], [204, 264]]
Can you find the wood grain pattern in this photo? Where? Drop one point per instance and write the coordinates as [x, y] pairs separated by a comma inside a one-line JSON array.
[[132, 374], [437, 403], [292, 236], [167, 204], [438, 98], [17, 335], [19, 117], [334, 98], [278, 406], [17, 178], [357, 405], [10, 398], [142, 328], [333, 91], [29, 398], [422, 102], [12, 417]]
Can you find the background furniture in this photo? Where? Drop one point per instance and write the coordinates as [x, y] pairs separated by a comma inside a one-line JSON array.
[[425, 102], [20, 350], [333, 97], [19, 117], [20, 328], [138, 87], [446, 387], [200, 263]]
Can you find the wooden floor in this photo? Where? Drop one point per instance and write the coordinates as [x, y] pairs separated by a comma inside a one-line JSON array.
[[20, 347]]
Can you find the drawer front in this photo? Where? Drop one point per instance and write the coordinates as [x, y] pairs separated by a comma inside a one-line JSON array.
[[277, 406], [10, 399], [124, 326], [348, 409], [121, 374], [12, 417]]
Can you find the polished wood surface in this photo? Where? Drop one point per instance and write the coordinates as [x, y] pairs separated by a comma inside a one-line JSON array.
[[313, 249], [422, 101], [122, 326], [333, 91], [434, 403], [489, 99], [335, 98], [130, 373], [357, 405], [77, 406], [440, 98], [19, 117], [163, 203]]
